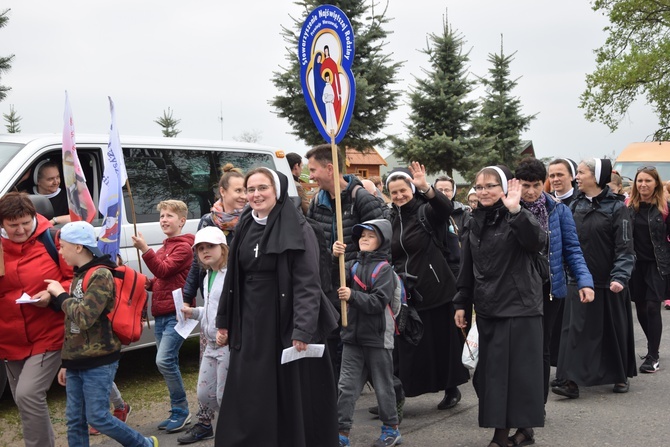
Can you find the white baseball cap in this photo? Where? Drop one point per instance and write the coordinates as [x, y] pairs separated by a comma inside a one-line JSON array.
[[211, 235]]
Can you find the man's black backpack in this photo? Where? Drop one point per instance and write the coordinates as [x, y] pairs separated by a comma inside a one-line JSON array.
[[446, 240], [325, 258]]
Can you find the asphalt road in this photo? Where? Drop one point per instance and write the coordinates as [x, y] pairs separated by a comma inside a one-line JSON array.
[[598, 418]]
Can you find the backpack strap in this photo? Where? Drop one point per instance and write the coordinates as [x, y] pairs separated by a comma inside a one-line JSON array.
[[47, 240], [88, 274], [453, 223], [429, 229], [375, 272], [355, 277], [354, 191], [87, 279]]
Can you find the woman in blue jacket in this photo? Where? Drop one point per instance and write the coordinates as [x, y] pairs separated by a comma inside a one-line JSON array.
[[563, 249]]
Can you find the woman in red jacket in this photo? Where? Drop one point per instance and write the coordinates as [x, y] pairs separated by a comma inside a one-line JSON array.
[[32, 334]]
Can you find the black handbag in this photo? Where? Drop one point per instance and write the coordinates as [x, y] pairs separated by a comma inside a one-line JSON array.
[[409, 324], [541, 265]]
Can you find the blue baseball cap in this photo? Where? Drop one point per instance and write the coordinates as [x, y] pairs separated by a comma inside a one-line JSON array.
[[357, 230], [81, 233]]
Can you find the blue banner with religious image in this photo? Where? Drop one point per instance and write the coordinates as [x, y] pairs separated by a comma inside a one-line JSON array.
[[326, 53]]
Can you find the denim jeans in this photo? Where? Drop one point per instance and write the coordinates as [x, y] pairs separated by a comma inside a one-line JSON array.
[[168, 342], [88, 403]]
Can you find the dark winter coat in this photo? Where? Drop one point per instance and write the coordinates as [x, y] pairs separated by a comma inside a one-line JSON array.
[[461, 215], [497, 272], [170, 266], [605, 233], [414, 252], [370, 322], [564, 246], [658, 230], [365, 207]]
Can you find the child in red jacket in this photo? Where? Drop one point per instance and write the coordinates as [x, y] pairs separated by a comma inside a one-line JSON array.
[[170, 266]]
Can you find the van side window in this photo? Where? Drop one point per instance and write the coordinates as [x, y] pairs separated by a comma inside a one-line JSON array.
[[188, 175]]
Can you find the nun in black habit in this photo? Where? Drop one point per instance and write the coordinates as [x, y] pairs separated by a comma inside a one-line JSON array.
[[272, 300], [597, 343], [498, 275]]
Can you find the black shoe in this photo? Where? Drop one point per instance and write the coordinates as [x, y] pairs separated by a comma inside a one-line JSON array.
[[621, 388], [452, 396], [650, 364], [196, 433], [569, 390], [557, 382], [374, 410]]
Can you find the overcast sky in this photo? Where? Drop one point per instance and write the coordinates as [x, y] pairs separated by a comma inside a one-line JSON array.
[[196, 56]]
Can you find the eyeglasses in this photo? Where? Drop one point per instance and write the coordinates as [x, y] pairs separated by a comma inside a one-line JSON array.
[[473, 202], [489, 187], [259, 188], [646, 168], [444, 190]]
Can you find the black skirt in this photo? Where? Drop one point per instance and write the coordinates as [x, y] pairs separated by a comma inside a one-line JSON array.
[[435, 364], [646, 283], [265, 403], [509, 377], [597, 341]]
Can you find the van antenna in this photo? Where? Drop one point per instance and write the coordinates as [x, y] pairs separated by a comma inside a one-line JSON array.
[[221, 120]]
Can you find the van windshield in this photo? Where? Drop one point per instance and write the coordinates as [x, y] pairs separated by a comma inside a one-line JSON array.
[[7, 152], [628, 169]]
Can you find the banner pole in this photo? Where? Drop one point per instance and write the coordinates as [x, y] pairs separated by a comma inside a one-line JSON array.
[[132, 212], [338, 219]]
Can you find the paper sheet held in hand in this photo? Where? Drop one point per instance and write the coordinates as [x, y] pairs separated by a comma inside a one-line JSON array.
[[184, 326], [26, 299], [290, 354]]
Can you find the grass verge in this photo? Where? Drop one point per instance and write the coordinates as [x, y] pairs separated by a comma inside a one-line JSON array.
[[138, 379]]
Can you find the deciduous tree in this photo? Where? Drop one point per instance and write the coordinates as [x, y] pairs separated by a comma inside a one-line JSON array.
[[633, 63], [249, 136]]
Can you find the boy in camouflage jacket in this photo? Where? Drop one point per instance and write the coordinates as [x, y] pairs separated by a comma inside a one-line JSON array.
[[91, 350]]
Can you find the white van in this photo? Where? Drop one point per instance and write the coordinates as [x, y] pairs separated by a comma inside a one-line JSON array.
[[158, 169]]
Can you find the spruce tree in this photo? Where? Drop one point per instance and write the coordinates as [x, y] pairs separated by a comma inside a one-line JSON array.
[[439, 121], [5, 61], [168, 124], [374, 73], [13, 120], [500, 122]]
